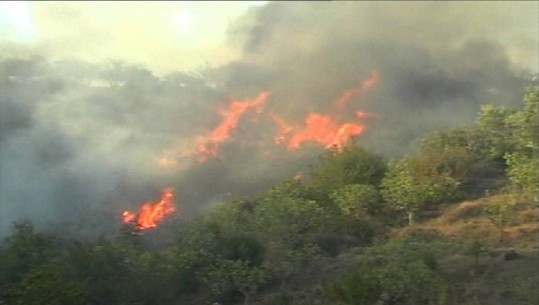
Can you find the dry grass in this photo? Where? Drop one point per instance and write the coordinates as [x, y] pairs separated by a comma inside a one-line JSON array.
[[494, 281], [466, 220]]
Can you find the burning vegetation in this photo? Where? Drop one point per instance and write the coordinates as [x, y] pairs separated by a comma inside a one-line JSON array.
[[292, 158], [325, 130], [151, 213]]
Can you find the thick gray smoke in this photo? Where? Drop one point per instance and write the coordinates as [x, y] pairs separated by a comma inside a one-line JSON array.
[[79, 142]]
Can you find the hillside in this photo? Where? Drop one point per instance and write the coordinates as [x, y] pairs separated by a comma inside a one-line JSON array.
[[492, 280], [455, 223]]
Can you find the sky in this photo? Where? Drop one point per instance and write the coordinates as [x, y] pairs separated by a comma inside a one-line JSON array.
[[164, 35], [104, 104], [168, 35]]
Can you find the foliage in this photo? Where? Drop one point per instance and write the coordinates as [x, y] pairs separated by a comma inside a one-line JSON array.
[[501, 215], [356, 288], [407, 275], [235, 275], [353, 165], [283, 218], [407, 187], [523, 164], [278, 239], [495, 130], [357, 200], [522, 171], [241, 247], [42, 286], [24, 250], [287, 264], [475, 247]]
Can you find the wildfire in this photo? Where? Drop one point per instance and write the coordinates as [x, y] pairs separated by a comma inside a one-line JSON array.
[[325, 130], [207, 146], [318, 128], [283, 129], [360, 90], [150, 213]]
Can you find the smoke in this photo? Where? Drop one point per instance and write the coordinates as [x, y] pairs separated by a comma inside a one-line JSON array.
[[80, 142], [437, 61]]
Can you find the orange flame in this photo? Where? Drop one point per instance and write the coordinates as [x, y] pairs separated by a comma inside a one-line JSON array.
[[151, 213], [361, 89], [206, 146], [324, 131], [282, 129]]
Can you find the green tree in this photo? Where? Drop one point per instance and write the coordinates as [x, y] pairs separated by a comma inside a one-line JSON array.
[[42, 286], [244, 247], [355, 288], [233, 216], [495, 130], [288, 264], [398, 272], [352, 165], [286, 218], [357, 200], [501, 214], [235, 275], [24, 250], [408, 187], [523, 161], [474, 242], [448, 153]]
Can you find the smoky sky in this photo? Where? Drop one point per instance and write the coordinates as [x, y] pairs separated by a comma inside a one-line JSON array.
[[79, 141]]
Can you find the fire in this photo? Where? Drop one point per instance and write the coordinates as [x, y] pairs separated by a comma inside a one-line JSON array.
[[282, 129], [207, 146], [364, 86], [322, 129], [326, 130], [150, 213]]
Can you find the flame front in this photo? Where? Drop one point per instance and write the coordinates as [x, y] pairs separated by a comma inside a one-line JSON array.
[[150, 214], [364, 86], [325, 129], [318, 128], [206, 146]]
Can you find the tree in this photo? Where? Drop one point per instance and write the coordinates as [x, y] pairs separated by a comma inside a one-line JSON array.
[[474, 242], [243, 247], [501, 215], [357, 200], [406, 275], [475, 247], [287, 218], [448, 153], [287, 264], [523, 161], [495, 130], [355, 288], [352, 165], [42, 286], [235, 275], [409, 185], [23, 251], [233, 217]]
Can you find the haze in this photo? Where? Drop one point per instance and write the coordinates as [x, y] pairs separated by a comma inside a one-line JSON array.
[[93, 93]]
